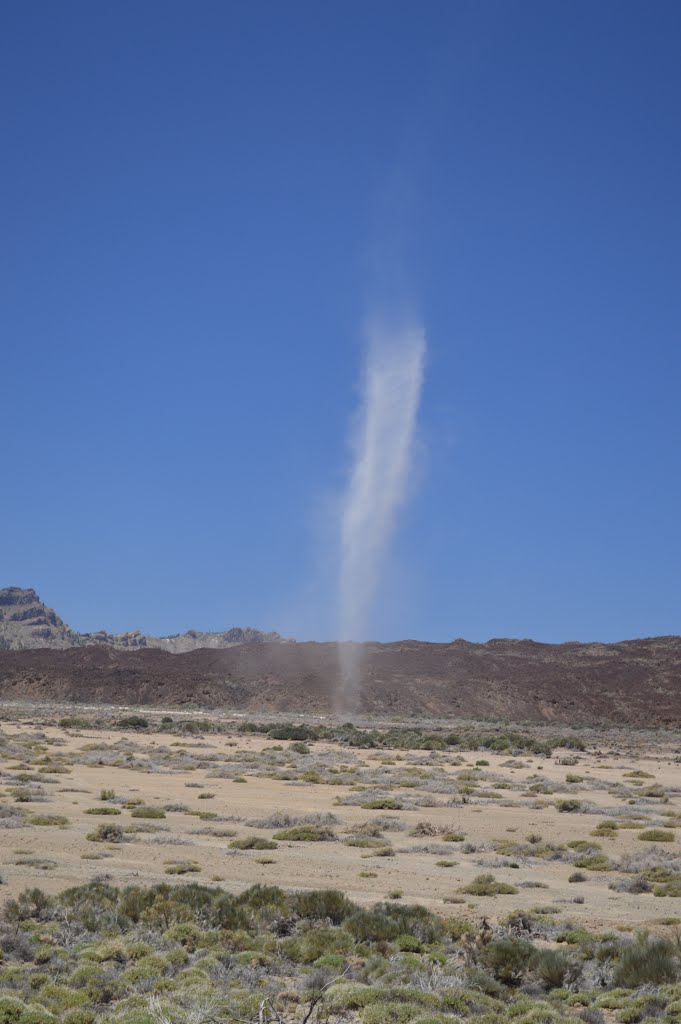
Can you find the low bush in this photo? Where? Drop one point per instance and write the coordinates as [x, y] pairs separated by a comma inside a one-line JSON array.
[[252, 843], [107, 834], [553, 968], [323, 904], [568, 806], [646, 962], [386, 803], [508, 959], [299, 747], [595, 862], [656, 835], [305, 834], [291, 732], [487, 885], [183, 868]]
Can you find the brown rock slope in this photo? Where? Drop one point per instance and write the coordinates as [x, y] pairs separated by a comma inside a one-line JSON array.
[[636, 682]]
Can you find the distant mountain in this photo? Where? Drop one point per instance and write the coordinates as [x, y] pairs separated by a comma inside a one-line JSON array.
[[26, 623]]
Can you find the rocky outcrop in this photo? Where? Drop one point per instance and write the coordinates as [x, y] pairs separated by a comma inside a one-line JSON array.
[[26, 623]]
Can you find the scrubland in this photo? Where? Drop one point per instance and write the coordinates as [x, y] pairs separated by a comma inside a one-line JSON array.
[[163, 869]]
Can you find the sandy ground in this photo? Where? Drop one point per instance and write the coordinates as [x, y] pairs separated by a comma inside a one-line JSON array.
[[508, 815]]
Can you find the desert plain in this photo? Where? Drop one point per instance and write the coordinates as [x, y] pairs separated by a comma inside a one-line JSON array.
[[386, 820], [165, 866]]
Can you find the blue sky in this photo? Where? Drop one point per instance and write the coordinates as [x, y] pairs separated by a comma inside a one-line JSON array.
[[200, 205]]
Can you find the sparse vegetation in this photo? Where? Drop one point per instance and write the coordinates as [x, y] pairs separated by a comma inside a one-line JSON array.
[[406, 797]]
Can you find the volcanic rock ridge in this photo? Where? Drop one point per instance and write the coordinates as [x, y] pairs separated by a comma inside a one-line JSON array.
[[633, 682], [27, 624]]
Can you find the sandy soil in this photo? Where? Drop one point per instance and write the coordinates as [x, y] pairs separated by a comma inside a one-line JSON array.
[[511, 813]]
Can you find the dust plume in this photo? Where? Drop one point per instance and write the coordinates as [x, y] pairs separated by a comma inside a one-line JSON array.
[[392, 381]]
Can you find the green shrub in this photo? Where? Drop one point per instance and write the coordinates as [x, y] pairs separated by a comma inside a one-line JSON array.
[[386, 803], [291, 732], [183, 868], [671, 888], [646, 962], [487, 885], [305, 834], [148, 812], [372, 926], [21, 794], [323, 904], [102, 810], [570, 743], [596, 862], [317, 942], [133, 722], [252, 843], [656, 835], [352, 995], [606, 830], [568, 806], [390, 1013], [11, 1010], [299, 747], [508, 959], [49, 819], [107, 834], [553, 968], [80, 1016]]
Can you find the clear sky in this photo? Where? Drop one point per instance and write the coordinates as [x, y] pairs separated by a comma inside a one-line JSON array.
[[201, 201]]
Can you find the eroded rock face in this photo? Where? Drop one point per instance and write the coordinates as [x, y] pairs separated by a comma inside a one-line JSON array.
[[26, 623]]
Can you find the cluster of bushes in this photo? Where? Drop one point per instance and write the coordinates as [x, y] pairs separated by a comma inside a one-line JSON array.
[[415, 739], [348, 734], [138, 954]]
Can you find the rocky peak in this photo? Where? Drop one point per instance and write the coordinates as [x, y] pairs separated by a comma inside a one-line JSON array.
[[25, 623]]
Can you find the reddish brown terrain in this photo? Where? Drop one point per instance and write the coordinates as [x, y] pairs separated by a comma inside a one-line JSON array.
[[636, 682]]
